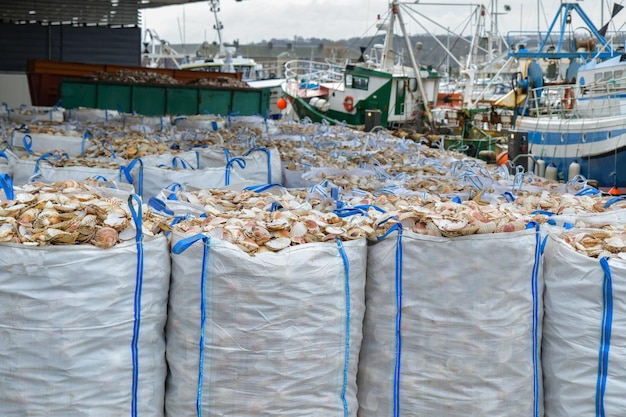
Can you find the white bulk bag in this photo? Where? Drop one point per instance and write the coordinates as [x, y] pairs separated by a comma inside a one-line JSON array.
[[72, 143], [257, 123], [584, 334], [292, 178], [263, 165], [82, 329], [31, 114], [26, 170], [150, 180], [6, 166], [208, 122], [187, 159], [452, 326], [89, 115], [145, 124], [596, 220], [272, 334]]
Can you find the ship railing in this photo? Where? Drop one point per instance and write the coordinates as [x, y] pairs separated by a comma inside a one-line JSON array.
[[600, 99], [310, 75]]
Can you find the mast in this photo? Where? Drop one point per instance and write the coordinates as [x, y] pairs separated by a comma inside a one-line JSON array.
[[218, 26], [387, 58], [395, 11]]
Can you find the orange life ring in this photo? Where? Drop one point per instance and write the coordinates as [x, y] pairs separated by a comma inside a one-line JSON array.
[[569, 98], [502, 158], [348, 103]]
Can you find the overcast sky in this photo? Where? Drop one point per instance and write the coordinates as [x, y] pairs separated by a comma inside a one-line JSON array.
[[259, 20]]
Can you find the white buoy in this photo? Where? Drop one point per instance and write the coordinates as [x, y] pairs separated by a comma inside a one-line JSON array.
[[573, 170], [540, 168], [552, 172]]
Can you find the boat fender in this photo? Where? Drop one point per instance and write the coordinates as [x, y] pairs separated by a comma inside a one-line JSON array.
[[569, 98], [552, 172], [348, 103], [502, 158], [573, 170], [540, 168]]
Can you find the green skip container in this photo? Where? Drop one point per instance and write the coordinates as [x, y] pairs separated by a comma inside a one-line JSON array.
[[158, 100]]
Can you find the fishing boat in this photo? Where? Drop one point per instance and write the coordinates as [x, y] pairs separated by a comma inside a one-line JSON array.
[[575, 125], [400, 94], [158, 53]]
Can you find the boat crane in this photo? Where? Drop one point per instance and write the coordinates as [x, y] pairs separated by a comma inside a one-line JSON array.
[[156, 49]]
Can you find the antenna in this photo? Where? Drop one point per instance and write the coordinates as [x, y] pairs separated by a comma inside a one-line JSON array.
[[215, 8]]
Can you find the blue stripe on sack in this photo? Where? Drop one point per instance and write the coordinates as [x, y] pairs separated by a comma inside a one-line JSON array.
[[398, 272], [605, 338], [535, 336], [7, 186], [137, 301], [239, 161], [127, 174], [86, 135], [269, 160], [178, 248], [396, 377], [27, 140], [346, 363]]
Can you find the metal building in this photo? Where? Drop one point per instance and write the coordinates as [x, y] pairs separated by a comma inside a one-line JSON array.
[[84, 31]]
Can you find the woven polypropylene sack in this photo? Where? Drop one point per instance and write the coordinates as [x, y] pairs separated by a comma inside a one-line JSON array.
[[82, 329], [468, 315], [281, 331], [584, 335], [26, 169]]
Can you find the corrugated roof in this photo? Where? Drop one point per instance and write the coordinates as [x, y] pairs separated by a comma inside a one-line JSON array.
[[79, 12]]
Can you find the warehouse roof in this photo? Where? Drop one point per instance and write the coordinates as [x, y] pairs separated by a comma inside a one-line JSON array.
[[79, 12]]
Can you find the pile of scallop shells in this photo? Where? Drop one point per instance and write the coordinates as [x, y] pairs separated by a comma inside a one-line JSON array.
[[49, 128], [385, 179], [59, 159], [67, 213], [265, 222], [219, 82], [134, 77], [566, 203], [598, 243], [447, 218], [259, 231]]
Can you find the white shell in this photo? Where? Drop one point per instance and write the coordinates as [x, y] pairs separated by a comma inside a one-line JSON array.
[[278, 243]]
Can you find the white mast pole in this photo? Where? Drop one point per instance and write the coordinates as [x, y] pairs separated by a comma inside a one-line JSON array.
[[395, 11]]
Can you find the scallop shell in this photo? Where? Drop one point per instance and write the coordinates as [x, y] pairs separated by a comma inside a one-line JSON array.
[[615, 244], [116, 219], [488, 227], [298, 229], [61, 237], [278, 224], [278, 243], [6, 232], [105, 237], [248, 245], [334, 230]]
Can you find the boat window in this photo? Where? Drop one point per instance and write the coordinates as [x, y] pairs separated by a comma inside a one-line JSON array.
[[360, 82], [413, 84], [597, 77]]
